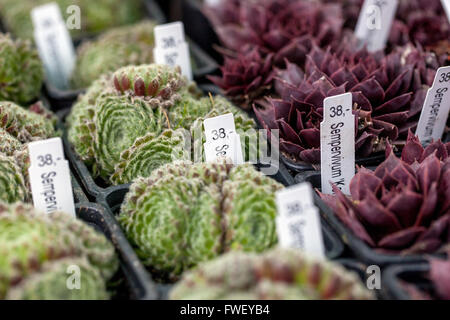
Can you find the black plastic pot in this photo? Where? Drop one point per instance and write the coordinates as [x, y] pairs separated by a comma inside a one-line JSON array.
[[202, 64], [199, 29], [360, 249], [138, 284], [395, 276]]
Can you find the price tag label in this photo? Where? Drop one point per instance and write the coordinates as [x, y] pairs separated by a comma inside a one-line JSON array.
[[446, 5], [54, 44], [49, 172], [222, 139], [374, 23], [337, 143], [435, 108], [171, 47], [298, 220]]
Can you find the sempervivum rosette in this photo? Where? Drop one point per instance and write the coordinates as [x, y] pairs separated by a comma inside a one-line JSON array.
[[116, 48], [245, 77], [388, 94], [22, 73], [131, 122], [403, 207], [275, 275], [18, 127], [36, 250], [283, 27], [186, 213], [259, 35], [422, 21]]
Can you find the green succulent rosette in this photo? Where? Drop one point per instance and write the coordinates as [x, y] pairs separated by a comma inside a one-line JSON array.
[[148, 153], [26, 125], [22, 73], [95, 16], [35, 248], [138, 118], [50, 283], [184, 213], [119, 121], [275, 275], [18, 127], [118, 47], [12, 182]]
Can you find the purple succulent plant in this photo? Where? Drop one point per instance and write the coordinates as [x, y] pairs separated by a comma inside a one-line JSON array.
[[286, 28], [388, 94], [403, 207], [246, 77]]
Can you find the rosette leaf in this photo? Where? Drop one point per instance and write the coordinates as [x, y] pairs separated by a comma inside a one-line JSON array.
[[159, 85], [403, 206], [183, 213], [277, 274]]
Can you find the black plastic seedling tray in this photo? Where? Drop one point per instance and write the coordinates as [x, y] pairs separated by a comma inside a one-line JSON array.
[[395, 277], [360, 249], [113, 197], [203, 64], [138, 284]]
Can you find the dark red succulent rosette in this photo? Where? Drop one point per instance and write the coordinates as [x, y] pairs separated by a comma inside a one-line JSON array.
[[282, 27], [260, 31], [245, 77], [422, 21], [403, 207], [388, 94]]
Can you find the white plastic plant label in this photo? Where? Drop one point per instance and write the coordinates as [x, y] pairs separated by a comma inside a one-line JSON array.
[[337, 143], [446, 5], [298, 221], [222, 139], [435, 109], [171, 47], [374, 23], [54, 44], [49, 172]]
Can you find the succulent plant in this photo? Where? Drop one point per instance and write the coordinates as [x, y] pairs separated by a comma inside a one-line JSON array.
[[245, 77], [138, 118], [22, 73], [94, 18], [118, 47], [26, 125], [403, 207], [12, 182], [261, 35], [424, 22], [50, 283], [283, 27], [37, 248], [388, 94], [277, 274], [186, 213]]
